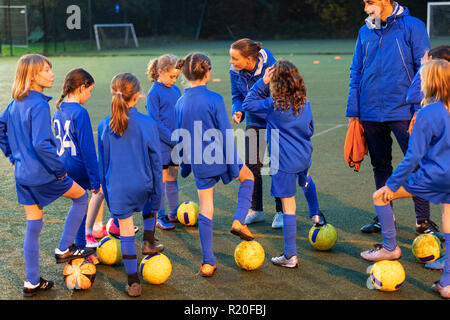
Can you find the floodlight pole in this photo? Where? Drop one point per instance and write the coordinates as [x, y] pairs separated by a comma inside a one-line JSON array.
[[199, 28], [10, 29]]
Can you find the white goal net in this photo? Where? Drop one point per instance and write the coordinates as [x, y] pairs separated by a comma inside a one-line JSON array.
[[14, 25], [111, 36], [438, 20]]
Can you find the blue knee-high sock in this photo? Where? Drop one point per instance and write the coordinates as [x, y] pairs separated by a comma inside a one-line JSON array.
[[445, 279], [80, 239], [244, 200], [129, 254], [172, 196], [290, 235], [386, 218], [309, 190], [149, 219], [205, 230], [31, 250], [162, 206], [73, 221]]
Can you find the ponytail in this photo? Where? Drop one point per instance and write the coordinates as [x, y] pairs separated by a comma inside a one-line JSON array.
[[195, 66], [74, 80], [123, 87]]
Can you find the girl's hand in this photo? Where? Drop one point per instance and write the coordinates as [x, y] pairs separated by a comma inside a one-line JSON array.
[[268, 75], [426, 58], [384, 194], [237, 117]]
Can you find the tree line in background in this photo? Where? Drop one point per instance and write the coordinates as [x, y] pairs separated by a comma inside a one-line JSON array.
[[206, 19]]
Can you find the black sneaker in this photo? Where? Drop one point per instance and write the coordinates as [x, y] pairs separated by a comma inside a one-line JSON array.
[[43, 285], [373, 227], [71, 253], [428, 226]]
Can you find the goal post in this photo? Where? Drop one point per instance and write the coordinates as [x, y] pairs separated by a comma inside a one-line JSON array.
[[438, 19], [126, 27], [14, 25]]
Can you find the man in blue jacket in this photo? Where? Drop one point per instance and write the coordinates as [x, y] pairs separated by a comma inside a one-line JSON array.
[[386, 58]]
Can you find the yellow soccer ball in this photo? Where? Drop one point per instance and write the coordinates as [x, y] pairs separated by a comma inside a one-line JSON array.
[[387, 275], [187, 213], [323, 238], [249, 255], [155, 269], [427, 248], [109, 251]]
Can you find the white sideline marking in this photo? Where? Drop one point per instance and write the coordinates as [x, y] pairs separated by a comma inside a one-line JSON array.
[[328, 130]]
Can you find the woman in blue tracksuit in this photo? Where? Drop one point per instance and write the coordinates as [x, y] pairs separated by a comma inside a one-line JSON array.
[[429, 148], [26, 137], [290, 128], [130, 171], [160, 106], [249, 61], [76, 147], [387, 55], [208, 146]]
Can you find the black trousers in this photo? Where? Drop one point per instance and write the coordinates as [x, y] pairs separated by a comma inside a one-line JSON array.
[[255, 147], [379, 141]]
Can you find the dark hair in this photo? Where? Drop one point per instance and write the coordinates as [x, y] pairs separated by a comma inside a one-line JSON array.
[[441, 52], [287, 87], [194, 66], [74, 80], [247, 47], [123, 87]]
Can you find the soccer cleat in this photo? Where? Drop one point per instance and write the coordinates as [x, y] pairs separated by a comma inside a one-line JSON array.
[[30, 290], [443, 291], [282, 261], [135, 290], [99, 233], [428, 226], [149, 248], [164, 224], [114, 230], [319, 220], [254, 216], [372, 227], [207, 270], [90, 241], [437, 264], [379, 253], [241, 230], [71, 253], [277, 222], [173, 219]]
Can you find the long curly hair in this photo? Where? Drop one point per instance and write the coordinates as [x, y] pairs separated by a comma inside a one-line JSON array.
[[287, 87]]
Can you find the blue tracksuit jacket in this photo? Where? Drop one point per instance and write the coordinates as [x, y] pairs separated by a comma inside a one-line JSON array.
[[294, 149], [161, 107], [242, 81], [130, 165], [75, 143], [26, 137], [383, 67]]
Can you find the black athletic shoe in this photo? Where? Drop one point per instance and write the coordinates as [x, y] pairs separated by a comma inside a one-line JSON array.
[[43, 285], [373, 227], [428, 226], [73, 252]]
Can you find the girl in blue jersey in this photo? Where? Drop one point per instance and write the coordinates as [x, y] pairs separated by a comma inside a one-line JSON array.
[[76, 147], [160, 106], [290, 127], [429, 148], [26, 137], [249, 62], [203, 126], [130, 171]]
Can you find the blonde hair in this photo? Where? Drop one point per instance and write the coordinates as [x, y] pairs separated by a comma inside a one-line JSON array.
[[28, 67], [435, 76], [164, 63], [123, 87]]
